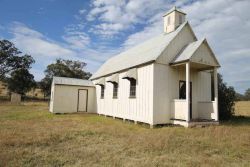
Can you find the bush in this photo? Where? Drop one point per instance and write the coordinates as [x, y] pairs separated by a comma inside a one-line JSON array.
[[227, 97]]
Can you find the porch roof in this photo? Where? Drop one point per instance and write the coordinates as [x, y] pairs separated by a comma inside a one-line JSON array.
[[198, 53]]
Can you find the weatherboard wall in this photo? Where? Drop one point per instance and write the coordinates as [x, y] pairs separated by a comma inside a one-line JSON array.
[[166, 90], [137, 109]]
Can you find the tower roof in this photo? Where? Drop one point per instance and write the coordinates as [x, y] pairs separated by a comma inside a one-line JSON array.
[[174, 9]]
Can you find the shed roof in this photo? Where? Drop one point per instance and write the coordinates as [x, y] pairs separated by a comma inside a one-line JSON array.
[[72, 81], [140, 54]]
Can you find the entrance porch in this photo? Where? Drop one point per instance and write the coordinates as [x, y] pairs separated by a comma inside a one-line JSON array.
[[190, 110]]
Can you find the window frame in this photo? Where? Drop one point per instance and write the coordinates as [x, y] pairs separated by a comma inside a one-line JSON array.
[[102, 91], [132, 88], [180, 93], [115, 90]]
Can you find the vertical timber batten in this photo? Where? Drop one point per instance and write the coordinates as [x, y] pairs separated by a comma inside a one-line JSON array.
[[188, 91], [216, 95]]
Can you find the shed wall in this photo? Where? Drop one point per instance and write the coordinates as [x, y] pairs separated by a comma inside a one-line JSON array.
[[65, 99]]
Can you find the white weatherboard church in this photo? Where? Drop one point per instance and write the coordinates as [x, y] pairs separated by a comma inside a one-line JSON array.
[[165, 80]]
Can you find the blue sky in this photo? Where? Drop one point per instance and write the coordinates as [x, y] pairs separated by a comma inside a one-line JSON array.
[[93, 31]]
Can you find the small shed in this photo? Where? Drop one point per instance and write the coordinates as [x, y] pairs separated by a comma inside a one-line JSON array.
[[69, 95]]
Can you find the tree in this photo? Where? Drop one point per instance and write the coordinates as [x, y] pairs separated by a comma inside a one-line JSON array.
[[21, 81], [11, 59], [63, 68], [247, 94], [239, 97], [227, 97]]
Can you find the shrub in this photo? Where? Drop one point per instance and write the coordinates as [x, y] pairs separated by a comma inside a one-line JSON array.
[[227, 97]]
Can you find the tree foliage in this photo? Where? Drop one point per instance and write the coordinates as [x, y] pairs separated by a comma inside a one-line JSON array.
[[243, 97], [21, 81], [239, 97], [63, 68], [227, 97], [11, 59], [247, 94]]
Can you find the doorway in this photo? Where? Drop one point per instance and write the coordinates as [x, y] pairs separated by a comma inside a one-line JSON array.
[[82, 102], [182, 94]]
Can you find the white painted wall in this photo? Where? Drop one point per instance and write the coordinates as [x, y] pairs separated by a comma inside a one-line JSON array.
[[203, 55], [66, 97], [166, 90], [206, 109], [176, 45], [137, 109], [177, 108]]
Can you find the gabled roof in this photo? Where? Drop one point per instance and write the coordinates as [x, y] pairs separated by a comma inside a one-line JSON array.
[[174, 9], [71, 81], [144, 53], [189, 51]]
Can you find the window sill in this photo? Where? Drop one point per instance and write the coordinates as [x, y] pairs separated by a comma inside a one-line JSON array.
[[132, 97], [115, 97]]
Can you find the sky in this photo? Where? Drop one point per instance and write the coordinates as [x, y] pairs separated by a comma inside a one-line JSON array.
[[95, 30]]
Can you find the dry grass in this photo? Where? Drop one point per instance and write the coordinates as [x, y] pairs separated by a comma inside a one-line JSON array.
[[242, 108], [31, 136]]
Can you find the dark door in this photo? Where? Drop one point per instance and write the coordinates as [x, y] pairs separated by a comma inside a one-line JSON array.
[[182, 94]]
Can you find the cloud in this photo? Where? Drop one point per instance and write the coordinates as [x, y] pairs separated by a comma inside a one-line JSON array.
[[116, 16], [36, 44], [43, 49], [75, 37], [153, 29], [76, 46], [82, 11], [227, 28]]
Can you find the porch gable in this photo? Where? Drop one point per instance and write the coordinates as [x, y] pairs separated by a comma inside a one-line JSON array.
[[198, 52]]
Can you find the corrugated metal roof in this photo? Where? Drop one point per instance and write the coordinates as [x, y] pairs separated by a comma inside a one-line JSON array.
[[187, 52], [72, 81], [140, 54]]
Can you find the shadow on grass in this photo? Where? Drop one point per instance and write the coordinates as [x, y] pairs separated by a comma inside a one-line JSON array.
[[238, 121]]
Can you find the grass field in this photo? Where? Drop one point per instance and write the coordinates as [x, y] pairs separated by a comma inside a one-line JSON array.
[[31, 136]]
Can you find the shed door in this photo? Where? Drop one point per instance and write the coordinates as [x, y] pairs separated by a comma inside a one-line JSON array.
[[82, 100]]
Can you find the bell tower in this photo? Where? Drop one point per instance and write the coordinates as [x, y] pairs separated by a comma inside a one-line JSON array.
[[173, 19]]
